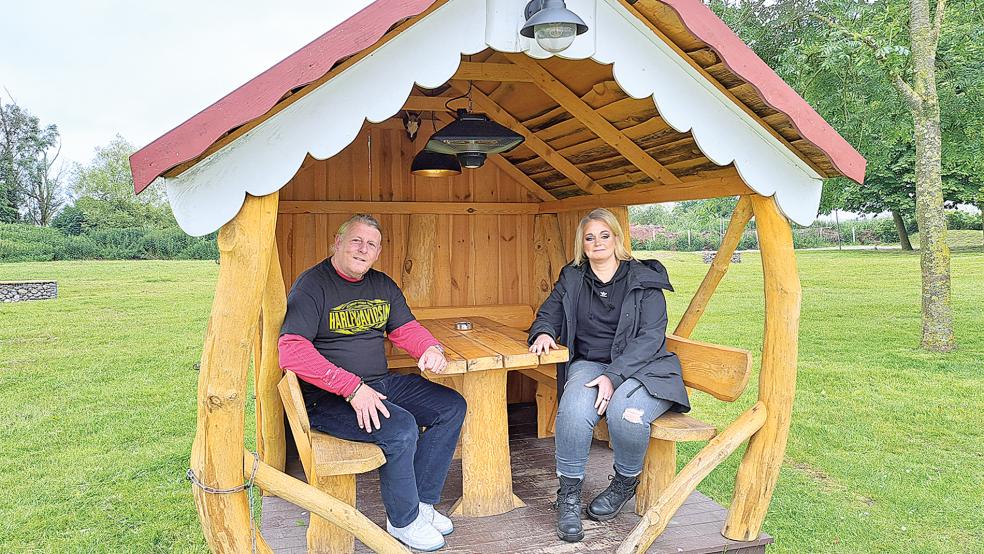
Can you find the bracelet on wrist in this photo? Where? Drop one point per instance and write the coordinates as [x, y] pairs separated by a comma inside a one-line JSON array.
[[355, 390]]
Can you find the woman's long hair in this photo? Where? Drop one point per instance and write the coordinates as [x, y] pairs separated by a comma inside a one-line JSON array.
[[609, 219]]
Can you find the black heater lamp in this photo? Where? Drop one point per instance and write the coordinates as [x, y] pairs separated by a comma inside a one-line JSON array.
[[434, 164], [472, 137], [552, 24]]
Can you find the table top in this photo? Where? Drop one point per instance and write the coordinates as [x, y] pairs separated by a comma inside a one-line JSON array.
[[487, 345]]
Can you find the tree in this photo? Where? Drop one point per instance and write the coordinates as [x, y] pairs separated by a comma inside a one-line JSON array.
[[28, 186], [104, 192], [887, 74]]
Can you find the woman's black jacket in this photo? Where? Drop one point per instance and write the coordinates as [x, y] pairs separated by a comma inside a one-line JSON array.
[[639, 347]]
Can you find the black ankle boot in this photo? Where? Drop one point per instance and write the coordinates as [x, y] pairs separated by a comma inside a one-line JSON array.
[[610, 502], [569, 510]]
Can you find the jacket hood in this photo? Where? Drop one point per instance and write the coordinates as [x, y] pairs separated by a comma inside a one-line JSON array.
[[649, 274]]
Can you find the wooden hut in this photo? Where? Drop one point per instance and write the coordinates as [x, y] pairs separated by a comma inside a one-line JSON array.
[[658, 101]]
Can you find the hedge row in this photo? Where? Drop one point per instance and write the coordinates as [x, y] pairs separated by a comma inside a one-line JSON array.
[[28, 243]]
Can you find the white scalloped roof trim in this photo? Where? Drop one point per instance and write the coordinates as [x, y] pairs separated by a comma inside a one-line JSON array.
[[326, 120]]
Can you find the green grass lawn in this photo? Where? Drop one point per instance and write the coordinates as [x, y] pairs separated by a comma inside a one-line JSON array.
[[959, 239], [886, 454]]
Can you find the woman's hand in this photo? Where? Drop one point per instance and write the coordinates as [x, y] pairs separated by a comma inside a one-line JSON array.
[[605, 390], [543, 344]]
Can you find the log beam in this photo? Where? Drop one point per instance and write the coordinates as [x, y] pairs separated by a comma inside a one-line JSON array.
[[451, 208], [245, 246], [593, 120], [760, 465], [271, 442], [720, 265], [651, 194], [658, 516], [534, 143], [318, 503], [502, 72]]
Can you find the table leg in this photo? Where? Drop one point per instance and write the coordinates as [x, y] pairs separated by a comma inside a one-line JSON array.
[[485, 465]]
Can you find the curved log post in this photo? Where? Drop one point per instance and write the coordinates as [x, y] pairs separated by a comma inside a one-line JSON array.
[[270, 437], [245, 244], [722, 260], [421, 261], [760, 465], [324, 505], [656, 518]]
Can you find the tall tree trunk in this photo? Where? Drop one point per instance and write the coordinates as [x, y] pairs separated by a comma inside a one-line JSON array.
[[937, 311], [900, 227]]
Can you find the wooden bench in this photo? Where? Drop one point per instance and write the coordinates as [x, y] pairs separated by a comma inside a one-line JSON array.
[[720, 371], [330, 464]]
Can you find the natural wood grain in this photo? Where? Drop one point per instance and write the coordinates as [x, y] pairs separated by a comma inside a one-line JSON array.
[[651, 194], [322, 504], [245, 246], [722, 260], [270, 440], [459, 208], [760, 465], [658, 515]]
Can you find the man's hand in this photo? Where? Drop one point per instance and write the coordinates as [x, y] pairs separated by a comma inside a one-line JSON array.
[[432, 359], [368, 404], [605, 390], [543, 344]]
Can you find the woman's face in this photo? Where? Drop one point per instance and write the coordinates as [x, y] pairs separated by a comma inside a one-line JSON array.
[[599, 241]]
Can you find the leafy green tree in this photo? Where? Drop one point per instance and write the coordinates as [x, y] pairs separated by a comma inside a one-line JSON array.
[[890, 75], [69, 221], [104, 192], [29, 186]]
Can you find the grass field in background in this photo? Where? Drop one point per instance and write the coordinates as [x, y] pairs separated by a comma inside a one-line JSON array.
[[959, 239], [886, 454]]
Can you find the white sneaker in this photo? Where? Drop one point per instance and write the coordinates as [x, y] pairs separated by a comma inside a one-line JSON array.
[[419, 535], [440, 521]]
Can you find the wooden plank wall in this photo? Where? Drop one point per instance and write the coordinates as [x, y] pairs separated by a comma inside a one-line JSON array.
[[486, 258]]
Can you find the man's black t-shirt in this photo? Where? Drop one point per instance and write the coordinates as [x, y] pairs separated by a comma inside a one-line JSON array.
[[346, 320]]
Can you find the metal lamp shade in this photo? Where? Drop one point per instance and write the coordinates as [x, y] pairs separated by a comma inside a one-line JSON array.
[[552, 24], [473, 133], [435, 164]]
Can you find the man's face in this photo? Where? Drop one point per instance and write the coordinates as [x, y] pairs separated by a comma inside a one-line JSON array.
[[357, 249]]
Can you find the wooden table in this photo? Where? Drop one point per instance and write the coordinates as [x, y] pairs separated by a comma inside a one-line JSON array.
[[478, 361]]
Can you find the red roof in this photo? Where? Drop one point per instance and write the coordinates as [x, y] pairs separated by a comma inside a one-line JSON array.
[[253, 99]]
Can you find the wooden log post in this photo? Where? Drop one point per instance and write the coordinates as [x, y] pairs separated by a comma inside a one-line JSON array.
[[323, 505], [622, 215], [722, 260], [548, 259], [421, 262], [271, 441], [245, 245], [659, 470], [658, 516], [760, 465]]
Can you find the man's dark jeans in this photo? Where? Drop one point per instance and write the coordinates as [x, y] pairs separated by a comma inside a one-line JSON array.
[[416, 463]]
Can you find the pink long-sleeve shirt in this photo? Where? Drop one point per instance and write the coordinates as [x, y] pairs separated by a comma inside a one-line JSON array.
[[299, 355]]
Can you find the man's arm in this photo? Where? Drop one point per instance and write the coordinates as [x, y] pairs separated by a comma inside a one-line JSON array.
[[413, 338], [299, 355]]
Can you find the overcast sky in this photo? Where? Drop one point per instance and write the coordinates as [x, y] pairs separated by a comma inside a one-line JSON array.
[[98, 68]]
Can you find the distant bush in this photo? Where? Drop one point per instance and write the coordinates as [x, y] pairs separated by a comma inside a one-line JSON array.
[[960, 220], [24, 243]]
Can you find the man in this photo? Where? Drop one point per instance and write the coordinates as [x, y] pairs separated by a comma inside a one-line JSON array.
[[333, 338]]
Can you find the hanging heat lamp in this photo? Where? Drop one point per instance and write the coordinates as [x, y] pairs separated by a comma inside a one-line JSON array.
[[471, 137], [435, 164], [552, 24]]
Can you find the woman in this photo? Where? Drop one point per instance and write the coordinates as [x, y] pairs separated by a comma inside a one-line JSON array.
[[611, 313]]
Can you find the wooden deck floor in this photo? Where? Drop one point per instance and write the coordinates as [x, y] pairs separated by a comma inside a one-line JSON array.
[[695, 528]]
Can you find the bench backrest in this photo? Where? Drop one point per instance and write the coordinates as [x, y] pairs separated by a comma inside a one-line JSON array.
[[720, 371], [300, 426], [519, 316]]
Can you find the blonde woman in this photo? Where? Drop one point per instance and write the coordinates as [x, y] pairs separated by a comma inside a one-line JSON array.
[[608, 308]]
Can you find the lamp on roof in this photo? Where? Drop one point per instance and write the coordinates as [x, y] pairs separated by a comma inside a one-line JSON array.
[[472, 137], [552, 24]]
